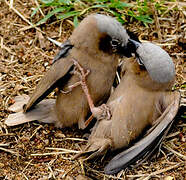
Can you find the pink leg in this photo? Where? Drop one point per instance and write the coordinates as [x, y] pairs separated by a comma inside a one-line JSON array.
[[82, 76], [100, 112], [88, 120]]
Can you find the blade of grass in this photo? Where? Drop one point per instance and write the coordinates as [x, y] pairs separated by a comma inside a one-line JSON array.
[[75, 21], [119, 5], [68, 14], [50, 14], [34, 11]]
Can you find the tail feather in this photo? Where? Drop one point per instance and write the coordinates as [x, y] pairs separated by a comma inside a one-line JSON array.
[[20, 101], [43, 112]]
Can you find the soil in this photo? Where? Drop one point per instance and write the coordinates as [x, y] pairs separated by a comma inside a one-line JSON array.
[[26, 54]]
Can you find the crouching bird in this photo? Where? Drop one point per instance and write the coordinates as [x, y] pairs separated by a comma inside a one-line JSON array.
[[143, 98], [96, 45]]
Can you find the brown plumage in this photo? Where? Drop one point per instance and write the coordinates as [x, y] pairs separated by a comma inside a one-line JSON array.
[[96, 44], [141, 99]]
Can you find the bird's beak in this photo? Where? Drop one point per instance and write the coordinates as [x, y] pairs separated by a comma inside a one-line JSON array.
[[133, 44], [130, 48]]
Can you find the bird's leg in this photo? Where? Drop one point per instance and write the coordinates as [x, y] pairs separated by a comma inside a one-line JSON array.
[[100, 112], [82, 75], [88, 120]]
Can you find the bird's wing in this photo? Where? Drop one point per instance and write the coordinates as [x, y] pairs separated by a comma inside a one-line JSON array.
[[146, 146], [64, 51], [59, 72]]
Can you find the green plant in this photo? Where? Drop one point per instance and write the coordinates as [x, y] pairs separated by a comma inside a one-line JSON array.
[[143, 12], [74, 9]]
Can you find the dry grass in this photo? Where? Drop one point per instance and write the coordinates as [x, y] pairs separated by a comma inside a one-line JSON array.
[[41, 151]]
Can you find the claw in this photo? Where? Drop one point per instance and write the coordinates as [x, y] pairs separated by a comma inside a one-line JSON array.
[[102, 112], [70, 88], [82, 75]]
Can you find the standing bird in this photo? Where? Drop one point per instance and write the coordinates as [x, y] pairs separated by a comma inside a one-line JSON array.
[[143, 98], [96, 44]]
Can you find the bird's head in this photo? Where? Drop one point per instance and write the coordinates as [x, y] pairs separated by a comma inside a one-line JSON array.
[[102, 33], [116, 37], [156, 61]]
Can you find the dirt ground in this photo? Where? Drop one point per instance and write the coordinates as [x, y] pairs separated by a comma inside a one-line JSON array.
[[29, 151]]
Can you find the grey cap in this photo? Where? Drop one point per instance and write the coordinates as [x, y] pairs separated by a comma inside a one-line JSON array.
[[157, 62], [112, 27]]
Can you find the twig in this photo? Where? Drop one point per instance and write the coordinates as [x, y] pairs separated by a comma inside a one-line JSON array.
[[60, 29], [11, 3], [175, 152], [10, 151], [51, 172], [157, 24], [4, 145], [165, 44], [168, 9], [64, 175], [156, 172], [64, 150], [117, 75], [9, 134], [35, 131], [182, 125], [6, 48], [82, 166], [18, 13], [102, 174], [73, 139], [172, 135], [54, 41], [37, 4], [25, 176], [28, 27], [27, 166], [55, 153]]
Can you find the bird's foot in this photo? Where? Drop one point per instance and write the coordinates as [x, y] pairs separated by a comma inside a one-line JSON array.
[[102, 112], [78, 70], [69, 88], [82, 75]]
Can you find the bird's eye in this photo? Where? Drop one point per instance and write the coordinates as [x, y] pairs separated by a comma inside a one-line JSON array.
[[115, 42]]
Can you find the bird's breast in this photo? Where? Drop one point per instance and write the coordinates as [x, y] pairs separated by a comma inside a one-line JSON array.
[[133, 109]]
